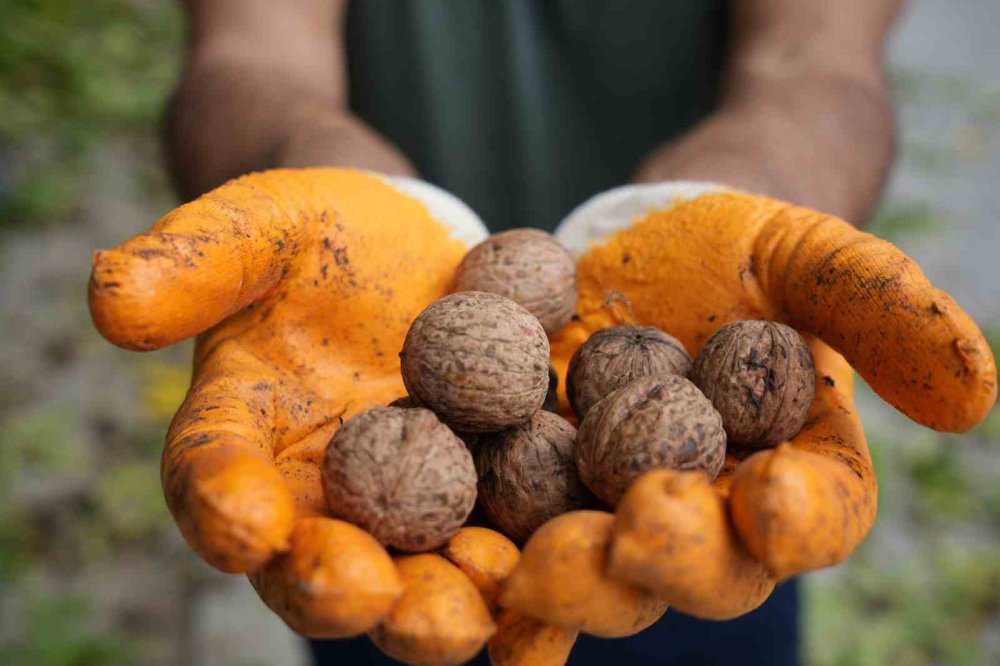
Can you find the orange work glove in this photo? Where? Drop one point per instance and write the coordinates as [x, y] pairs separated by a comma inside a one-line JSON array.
[[688, 258], [310, 280], [300, 286]]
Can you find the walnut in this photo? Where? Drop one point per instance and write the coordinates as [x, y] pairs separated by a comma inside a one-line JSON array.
[[551, 403], [528, 266], [527, 475], [656, 421], [480, 361], [405, 402], [618, 355], [409, 402], [760, 376], [400, 474]]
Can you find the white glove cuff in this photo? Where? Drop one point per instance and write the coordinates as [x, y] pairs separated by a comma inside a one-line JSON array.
[[445, 207], [614, 210]]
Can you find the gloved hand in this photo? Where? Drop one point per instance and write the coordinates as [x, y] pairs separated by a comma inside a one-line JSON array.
[[301, 286], [688, 258], [310, 280]]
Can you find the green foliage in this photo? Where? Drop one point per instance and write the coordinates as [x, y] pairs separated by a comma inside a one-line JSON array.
[[990, 427], [904, 615], [71, 68], [57, 635], [44, 193], [940, 487], [933, 605], [924, 88], [992, 334], [129, 501], [164, 383], [929, 158], [880, 462], [896, 220], [33, 442], [971, 578], [15, 548], [38, 441], [71, 73]]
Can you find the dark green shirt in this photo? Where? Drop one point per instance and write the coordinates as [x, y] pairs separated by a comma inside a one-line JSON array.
[[525, 108]]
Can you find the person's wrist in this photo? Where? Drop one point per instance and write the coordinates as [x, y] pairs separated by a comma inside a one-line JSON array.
[[729, 148], [324, 138], [729, 167]]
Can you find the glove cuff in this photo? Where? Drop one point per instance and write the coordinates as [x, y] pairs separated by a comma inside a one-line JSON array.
[[445, 207], [614, 210]]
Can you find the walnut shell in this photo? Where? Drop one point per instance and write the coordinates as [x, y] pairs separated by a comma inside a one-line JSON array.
[[656, 421], [409, 402], [479, 360], [528, 266], [761, 377], [618, 355], [405, 402], [400, 474], [527, 475], [551, 403]]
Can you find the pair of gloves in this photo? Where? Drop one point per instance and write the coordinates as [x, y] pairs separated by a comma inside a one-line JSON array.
[[301, 284]]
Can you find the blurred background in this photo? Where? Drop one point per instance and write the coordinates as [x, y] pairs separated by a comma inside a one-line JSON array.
[[92, 570]]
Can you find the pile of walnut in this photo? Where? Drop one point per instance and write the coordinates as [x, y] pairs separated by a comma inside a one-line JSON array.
[[473, 429]]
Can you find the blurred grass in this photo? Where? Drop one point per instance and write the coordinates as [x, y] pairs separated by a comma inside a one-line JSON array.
[[896, 220], [933, 601], [74, 75], [924, 589], [902, 616], [919, 88], [35, 441], [71, 73], [165, 385], [129, 502], [57, 634], [907, 613]]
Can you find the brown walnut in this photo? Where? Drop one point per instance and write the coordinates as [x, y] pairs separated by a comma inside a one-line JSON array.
[[528, 266], [760, 376], [478, 360], [551, 403], [409, 402], [400, 474], [527, 475], [656, 421], [618, 355], [405, 402]]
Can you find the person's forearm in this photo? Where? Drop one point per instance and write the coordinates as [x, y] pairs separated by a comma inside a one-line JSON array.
[[822, 141], [227, 119], [805, 115]]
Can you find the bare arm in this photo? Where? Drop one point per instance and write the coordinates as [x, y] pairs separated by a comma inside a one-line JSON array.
[[265, 85], [805, 113]]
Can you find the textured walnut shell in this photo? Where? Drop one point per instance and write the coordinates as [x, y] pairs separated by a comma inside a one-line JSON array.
[[405, 402], [402, 475], [528, 266], [551, 403], [657, 421], [527, 475], [760, 377], [479, 360], [618, 355], [409, 402]]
